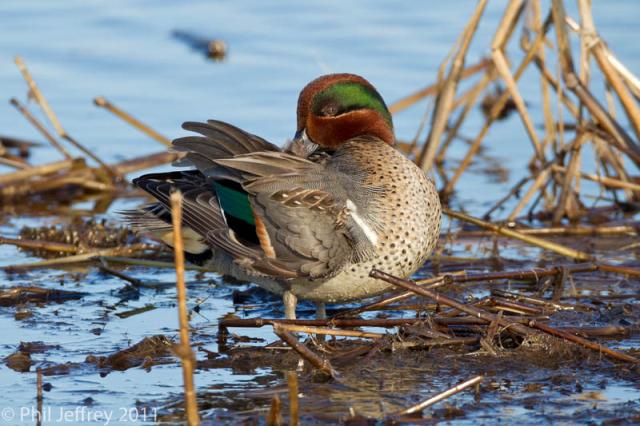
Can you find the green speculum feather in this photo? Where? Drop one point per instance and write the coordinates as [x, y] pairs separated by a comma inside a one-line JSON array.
[[234, 202], [350, 96]]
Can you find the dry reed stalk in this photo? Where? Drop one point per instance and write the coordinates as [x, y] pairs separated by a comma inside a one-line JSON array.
[[274, 418], [39, 397], [564, 230], [38, 171], [625, 270], [563, 206], [496, 109], [511, 16], [332, 332], [607, 156], [540, 180], [102, 102], [525, 274], [605, 181], [532, 300], [46, 108], [548, 245], [441, 396], [469, 102], [606, 331], [446, 95], [35, 92], [184, 349], [14, 162], [553, 83], [43, 131], [435, 342], [599, 51], [321, 364], [145, 162], [292, 383], [79, 258], [573, 83], [584, 7], [632, 81], [40, 245], [407, 101], [550, 132]]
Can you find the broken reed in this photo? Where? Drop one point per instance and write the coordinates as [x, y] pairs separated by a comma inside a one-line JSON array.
[[557, 159], [184, 349]]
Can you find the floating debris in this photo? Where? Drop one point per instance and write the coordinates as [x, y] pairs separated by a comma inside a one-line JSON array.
[[215, 49]]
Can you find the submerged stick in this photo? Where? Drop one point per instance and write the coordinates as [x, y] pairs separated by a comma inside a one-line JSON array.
[[539, 242], [444, 395], [102, 102], [323, 365], [185, 352]]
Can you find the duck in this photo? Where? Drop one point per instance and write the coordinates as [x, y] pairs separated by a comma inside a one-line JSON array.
[[307, 221]]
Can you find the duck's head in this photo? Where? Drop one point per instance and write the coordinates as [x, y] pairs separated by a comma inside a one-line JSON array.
[[337, 107]]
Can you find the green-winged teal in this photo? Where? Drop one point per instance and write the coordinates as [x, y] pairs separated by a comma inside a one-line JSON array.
[[308, 221]]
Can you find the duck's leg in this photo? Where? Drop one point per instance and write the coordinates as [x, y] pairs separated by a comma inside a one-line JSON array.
[[290, 301], [321, 310]]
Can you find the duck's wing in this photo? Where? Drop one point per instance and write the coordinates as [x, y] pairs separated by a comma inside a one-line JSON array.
[[304, 216], [218, 140]]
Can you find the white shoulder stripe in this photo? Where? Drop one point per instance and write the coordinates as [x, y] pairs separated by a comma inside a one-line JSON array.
[[366, 229]]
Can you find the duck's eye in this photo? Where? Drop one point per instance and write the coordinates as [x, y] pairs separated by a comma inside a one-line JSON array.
[[329, 110]]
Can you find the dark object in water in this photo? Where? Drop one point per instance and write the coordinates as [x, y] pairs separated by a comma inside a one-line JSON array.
[[212, 48], [19, 361], [145, 353], [20, 295]]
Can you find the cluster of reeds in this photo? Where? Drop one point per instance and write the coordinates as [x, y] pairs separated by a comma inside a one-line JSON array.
[[574, 118]]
